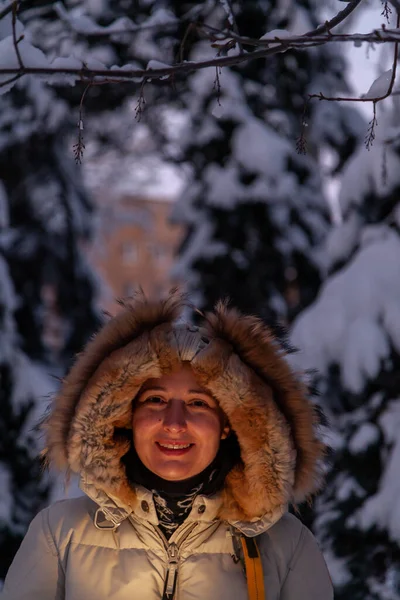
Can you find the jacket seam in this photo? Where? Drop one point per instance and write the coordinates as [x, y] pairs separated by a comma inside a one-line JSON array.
[[144, 548], [299, 548], [47, 533], [50, 538], [293, 560]]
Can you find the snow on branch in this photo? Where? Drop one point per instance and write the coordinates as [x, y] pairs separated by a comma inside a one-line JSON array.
[[380, 89], [89, 74], [19, 57]]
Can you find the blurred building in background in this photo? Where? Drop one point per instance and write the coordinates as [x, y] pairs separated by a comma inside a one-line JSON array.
[[135, 246]]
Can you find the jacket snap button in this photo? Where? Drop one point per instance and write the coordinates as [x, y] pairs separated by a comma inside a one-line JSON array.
[[145, 506], [201, 509]]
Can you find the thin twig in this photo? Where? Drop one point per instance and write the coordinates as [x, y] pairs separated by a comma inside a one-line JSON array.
[[389, 91], [14, 32], [11, 80], [141, 102], [183, 42], [234, 24], [301, 143], [314, 33], [370, 137], [395, 59], [386, 11], [396, 4], [217, 85], [376, 36], [6, 10], [80, 146], [339, 18]]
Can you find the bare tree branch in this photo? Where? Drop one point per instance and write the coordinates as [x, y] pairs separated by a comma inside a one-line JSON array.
[[6, 10], [318, 36], [394, 66], [14, 32], [321, 29], [278, 45], [11, 80], [377, 99], [377, 36], [189, 29], [339, 18]]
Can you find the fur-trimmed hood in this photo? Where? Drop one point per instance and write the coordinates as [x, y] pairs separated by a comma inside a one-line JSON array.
[[235, 357]]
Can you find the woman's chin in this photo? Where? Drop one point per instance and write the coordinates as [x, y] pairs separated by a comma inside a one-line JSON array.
[[175, 472]]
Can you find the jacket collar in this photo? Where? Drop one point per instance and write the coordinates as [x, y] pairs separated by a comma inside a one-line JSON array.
[[205, 509], [258, 526], [112, 508]]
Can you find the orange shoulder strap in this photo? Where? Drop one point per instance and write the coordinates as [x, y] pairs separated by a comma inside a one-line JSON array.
[[254, 571]]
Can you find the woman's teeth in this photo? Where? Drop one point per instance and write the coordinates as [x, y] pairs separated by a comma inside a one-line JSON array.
[[174, 446]]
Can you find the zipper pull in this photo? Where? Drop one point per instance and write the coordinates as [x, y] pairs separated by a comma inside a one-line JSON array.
[[172, 572]]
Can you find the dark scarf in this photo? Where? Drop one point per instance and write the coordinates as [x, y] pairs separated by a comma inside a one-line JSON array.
[[174, 499]]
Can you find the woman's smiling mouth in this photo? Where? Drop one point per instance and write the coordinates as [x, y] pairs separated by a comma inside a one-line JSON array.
[[174, 448]]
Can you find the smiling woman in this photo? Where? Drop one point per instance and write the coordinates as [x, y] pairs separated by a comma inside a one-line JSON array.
[[190, 443], [177, 427]]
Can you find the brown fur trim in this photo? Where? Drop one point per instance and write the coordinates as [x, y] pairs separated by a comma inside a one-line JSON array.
[[244, 369], [138, 315], [254, 344]]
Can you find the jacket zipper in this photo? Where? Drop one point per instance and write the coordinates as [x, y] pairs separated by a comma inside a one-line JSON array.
[[173, 561], [172, 572]]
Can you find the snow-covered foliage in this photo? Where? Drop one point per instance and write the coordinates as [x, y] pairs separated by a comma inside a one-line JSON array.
[[351, 335], [23, 387], [255, 208], [46, 289]]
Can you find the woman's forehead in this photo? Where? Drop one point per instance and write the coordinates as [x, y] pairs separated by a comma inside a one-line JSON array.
[[182, 378]]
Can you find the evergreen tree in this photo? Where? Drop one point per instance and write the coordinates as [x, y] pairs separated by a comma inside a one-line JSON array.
[[44, 218], [351, 335], [255, 208]]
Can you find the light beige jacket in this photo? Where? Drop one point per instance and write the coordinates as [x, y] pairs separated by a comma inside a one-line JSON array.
[[107, 545], [66, 557]]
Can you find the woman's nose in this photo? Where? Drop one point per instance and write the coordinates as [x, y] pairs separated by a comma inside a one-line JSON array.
[[175, 417]]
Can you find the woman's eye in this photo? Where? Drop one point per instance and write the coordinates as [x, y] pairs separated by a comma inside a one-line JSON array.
[[199, 404], [155, 400]]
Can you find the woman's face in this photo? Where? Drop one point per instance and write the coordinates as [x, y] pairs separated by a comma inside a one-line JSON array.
[[177, 425]]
